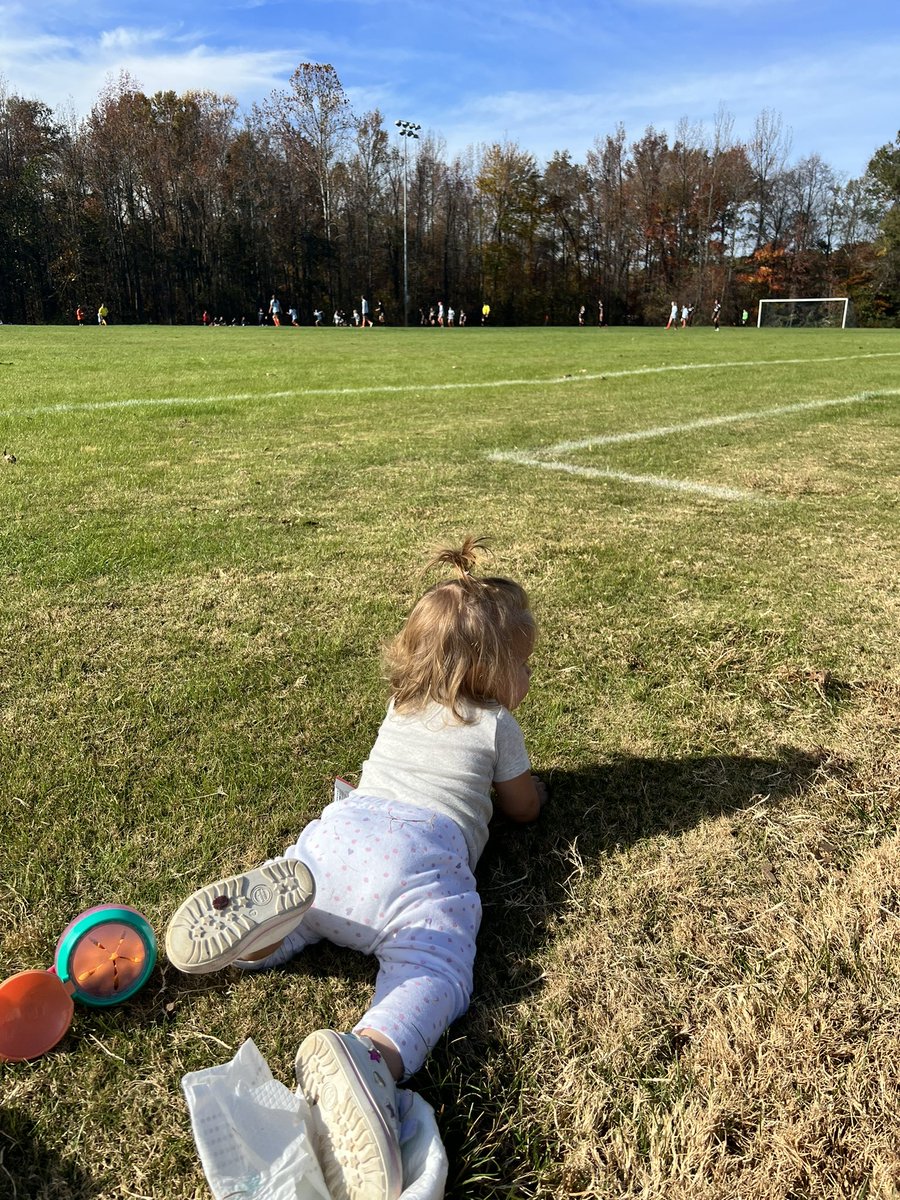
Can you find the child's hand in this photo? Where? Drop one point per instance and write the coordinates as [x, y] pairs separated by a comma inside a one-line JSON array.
[[541, 788], [522, 798]]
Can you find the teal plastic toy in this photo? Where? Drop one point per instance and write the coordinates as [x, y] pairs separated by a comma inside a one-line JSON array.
[[102, 958]]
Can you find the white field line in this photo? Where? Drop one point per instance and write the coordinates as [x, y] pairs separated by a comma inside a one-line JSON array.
[[532, 459], [406, 388], [657, 431], [144, 402], [659, 481]]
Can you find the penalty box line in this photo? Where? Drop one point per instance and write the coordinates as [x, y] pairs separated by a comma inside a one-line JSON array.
[[533, 459], [658, 481]]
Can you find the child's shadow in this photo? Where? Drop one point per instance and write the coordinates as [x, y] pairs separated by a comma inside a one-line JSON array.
[[597, 810], [525, 881]]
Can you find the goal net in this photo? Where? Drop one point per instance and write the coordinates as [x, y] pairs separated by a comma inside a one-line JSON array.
[[815, 312]]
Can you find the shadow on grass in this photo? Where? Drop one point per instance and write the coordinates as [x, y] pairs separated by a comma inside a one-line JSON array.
[[31, 1170], [523, 879], [609, 806]]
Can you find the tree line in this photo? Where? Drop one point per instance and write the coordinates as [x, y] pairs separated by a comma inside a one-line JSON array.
[[166, 206]]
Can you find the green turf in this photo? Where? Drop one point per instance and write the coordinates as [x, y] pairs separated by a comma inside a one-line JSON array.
[[206, 537]]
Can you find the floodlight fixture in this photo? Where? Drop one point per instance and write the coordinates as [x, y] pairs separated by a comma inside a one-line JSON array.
[[408, 129]]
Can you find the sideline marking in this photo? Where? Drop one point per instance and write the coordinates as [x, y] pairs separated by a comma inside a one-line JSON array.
[[405, 388], [532, 459]]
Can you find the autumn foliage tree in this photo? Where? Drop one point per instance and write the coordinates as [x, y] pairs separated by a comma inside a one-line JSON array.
[[883, 177], [169, 204]]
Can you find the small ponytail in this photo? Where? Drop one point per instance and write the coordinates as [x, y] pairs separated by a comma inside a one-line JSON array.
[[462, 559]]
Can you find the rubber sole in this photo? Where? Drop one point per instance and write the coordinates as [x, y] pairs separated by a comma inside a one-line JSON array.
[[356, 1147], [233, 917]]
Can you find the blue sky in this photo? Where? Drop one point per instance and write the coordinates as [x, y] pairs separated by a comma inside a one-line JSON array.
[[545, 75]]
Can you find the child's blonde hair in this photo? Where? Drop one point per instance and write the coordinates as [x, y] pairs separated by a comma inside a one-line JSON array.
[[465, 640]]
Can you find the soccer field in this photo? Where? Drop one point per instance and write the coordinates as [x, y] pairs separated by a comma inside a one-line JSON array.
[[688, 980]]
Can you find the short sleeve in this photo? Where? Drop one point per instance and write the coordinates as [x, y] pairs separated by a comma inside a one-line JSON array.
[[512, 757]]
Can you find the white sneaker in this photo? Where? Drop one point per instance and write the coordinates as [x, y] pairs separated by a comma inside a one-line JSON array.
[[233, 917], [355, 1121]]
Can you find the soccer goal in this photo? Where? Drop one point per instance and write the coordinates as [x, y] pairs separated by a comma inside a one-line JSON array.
[[814, 312]]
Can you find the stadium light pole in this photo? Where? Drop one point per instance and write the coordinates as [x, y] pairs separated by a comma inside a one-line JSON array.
[[407, 130]]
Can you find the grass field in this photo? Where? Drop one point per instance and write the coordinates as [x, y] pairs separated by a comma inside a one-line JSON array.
[[689, 974]]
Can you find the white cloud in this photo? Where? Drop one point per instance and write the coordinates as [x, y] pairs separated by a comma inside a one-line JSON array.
[[73, 72], [122, 39]]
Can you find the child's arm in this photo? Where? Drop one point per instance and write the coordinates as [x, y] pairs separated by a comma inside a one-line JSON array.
[[521, 798]]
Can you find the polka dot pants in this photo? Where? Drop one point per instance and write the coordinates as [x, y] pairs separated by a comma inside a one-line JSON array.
[[394, 881]]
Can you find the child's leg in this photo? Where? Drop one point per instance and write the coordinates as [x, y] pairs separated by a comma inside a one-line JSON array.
[[424, 980], [393, 881], [240, 916]]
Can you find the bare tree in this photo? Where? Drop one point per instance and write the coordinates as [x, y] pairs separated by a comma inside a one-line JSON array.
[[363, 196], [314, 121], [609, 215], [767, 152]]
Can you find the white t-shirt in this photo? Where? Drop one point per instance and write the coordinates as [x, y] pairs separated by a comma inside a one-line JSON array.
[[432, 760]]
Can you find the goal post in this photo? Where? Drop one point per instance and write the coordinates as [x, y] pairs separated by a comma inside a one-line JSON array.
[[804, 312]]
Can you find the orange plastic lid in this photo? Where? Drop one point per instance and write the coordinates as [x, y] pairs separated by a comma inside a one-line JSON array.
[[35, 1012]]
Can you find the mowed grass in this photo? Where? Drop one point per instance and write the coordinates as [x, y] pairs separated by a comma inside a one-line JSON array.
[[688, 974]]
